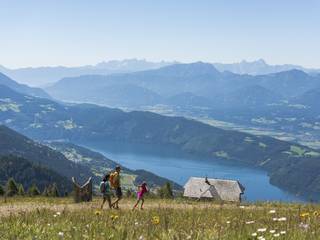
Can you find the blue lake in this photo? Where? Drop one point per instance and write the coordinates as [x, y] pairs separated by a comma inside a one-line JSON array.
[[174, 165]]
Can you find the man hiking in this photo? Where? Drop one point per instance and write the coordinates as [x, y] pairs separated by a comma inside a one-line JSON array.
[[116, 185]]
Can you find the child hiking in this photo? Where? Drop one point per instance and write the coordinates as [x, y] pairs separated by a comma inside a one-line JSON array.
[[142, 189], [105, 190], [116, 185]]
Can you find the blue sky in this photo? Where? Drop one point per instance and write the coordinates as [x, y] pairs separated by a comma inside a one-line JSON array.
[[61, 32]]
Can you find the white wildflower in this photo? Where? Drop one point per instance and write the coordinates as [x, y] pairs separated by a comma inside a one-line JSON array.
[[58, 213], [272, 231], [262, 229], [261, 238], [141, 238], [254, 234], [249, 222], [228, 222], [272, 211], [276, 235], [61, 234], [283, 232], [242, 207], [305, 226], [274, 219], [282, 219]]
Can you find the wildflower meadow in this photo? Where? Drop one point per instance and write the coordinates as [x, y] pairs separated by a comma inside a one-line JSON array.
[[43, 218]]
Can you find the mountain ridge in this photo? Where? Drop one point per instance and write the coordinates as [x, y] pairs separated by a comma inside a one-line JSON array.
[[22, 88], [43, 76]]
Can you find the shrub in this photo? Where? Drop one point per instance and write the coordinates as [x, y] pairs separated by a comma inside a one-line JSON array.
[[11, 188], [129, 193]]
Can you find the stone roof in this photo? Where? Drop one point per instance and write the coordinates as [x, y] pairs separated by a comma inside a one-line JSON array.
[[218, 189]]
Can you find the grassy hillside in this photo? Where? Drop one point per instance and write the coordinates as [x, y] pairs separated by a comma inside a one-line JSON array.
[[13, 143], [162, 219]]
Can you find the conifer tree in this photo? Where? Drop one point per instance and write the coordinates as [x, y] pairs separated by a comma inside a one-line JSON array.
[[165, 191], [11, 188], [54, 191], [33, 190], [168, 190], [1, 191], [45, 192], [21, 191]]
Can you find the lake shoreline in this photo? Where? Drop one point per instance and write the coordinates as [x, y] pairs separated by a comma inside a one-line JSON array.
[[151, 157]]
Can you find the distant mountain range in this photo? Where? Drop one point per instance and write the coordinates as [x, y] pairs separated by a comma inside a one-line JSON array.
[[291, 166], [200, 84], [45, 76], [259, 67]]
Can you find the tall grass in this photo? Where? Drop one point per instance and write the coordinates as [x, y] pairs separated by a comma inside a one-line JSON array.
[[161, 219]]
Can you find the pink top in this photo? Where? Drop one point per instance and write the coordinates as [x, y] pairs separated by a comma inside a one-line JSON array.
[[142, 190]]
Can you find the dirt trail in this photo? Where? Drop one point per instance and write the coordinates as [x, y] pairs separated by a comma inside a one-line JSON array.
[[16, 208]]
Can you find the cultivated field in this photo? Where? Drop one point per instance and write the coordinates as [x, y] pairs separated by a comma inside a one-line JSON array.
[[49, 218]]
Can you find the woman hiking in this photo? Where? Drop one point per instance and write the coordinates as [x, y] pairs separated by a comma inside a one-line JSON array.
[[105, 190]]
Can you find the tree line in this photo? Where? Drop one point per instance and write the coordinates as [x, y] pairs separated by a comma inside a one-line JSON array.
[[12, 188]]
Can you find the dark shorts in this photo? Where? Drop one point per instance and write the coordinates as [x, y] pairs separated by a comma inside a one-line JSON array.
[[106, 196], [118, 192]]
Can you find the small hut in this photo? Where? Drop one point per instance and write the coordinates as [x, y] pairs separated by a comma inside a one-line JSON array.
[[216, 189]]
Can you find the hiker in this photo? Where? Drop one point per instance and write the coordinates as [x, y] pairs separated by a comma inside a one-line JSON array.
[[105, 190], [142, 189], [116, 185]]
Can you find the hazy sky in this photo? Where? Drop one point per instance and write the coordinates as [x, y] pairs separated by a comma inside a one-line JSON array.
[[66, 32]]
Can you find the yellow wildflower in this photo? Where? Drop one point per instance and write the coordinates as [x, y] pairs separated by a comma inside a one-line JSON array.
[[305, 214], [114, 217], [155, 220], [98, 213]]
